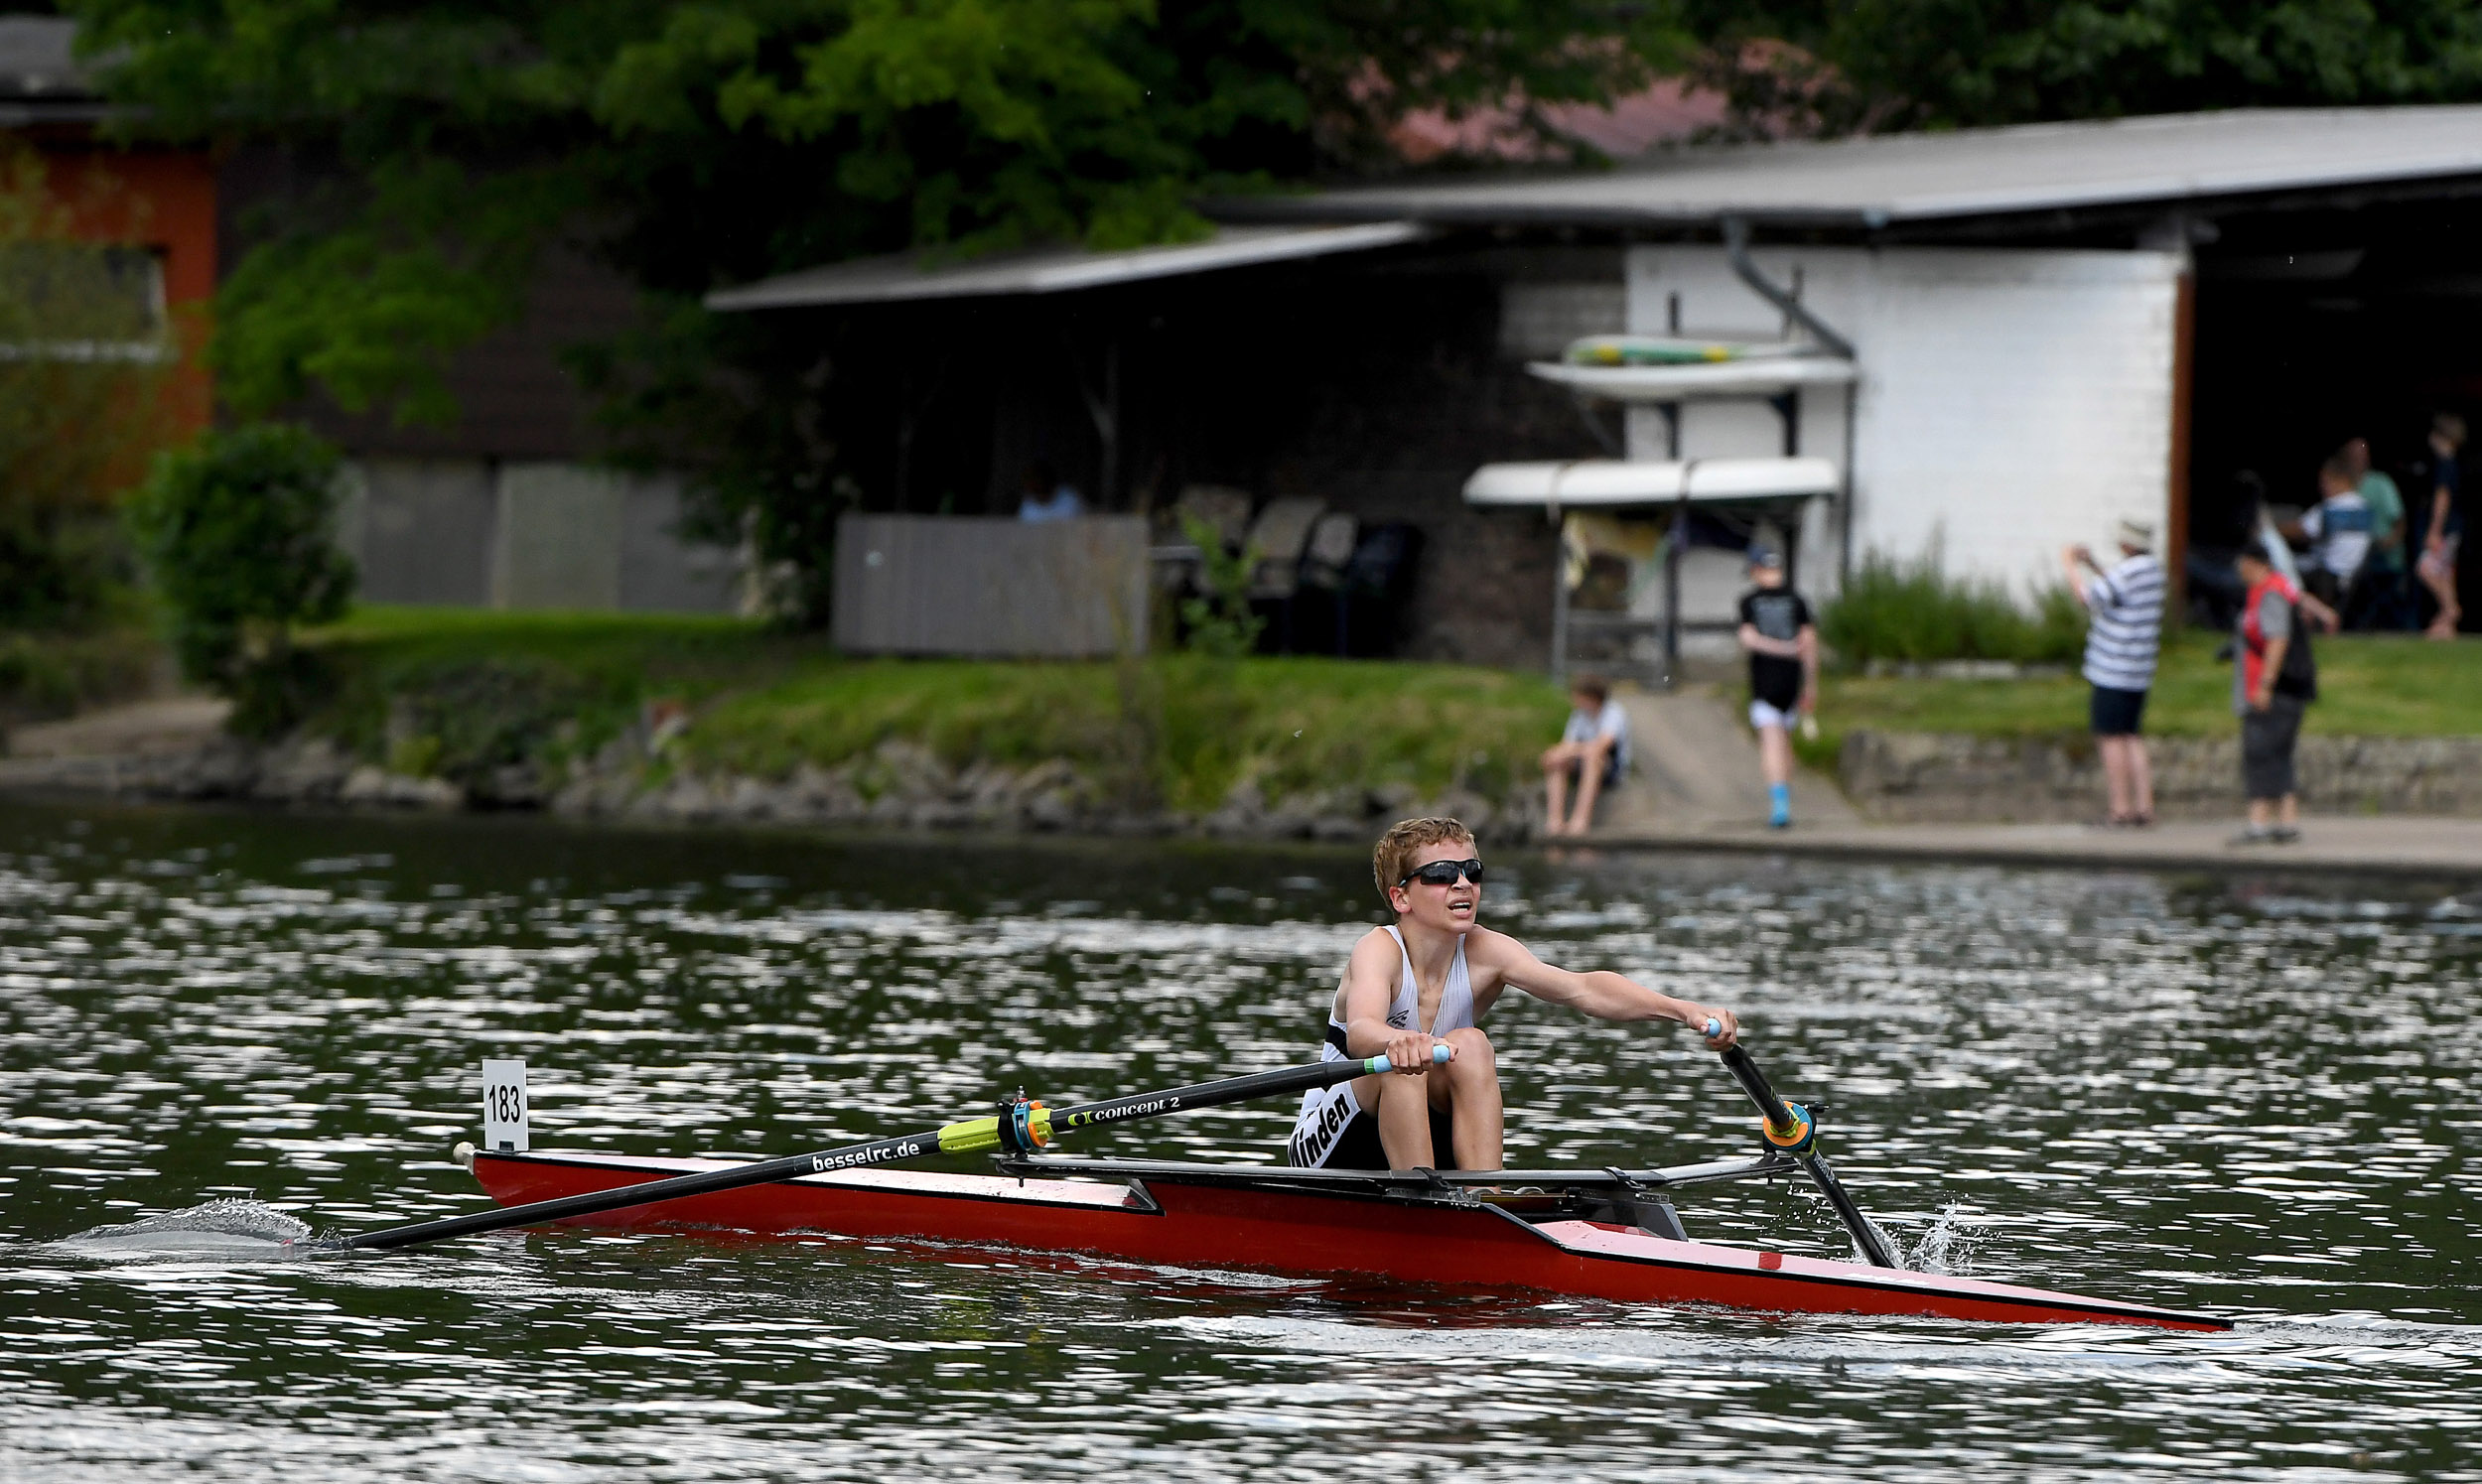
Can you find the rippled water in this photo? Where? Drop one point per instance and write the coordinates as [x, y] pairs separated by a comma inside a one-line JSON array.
[[2257, 1097]]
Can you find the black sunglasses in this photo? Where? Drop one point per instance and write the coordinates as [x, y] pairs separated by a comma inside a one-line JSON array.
[[1445, 872]]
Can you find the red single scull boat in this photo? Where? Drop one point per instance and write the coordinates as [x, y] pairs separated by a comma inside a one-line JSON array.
[[1602, 1234], [1597, 1234]]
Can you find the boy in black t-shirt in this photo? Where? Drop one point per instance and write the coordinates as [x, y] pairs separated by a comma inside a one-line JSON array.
[[1783, 643]]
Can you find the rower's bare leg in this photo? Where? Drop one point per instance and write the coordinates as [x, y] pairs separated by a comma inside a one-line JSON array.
[[1468, 1088], [1403, 1108]]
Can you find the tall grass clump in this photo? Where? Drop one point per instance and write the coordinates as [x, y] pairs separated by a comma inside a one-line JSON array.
[[1913, 610]]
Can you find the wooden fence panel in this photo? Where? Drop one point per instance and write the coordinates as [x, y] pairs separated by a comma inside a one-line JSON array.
[[991, 586]]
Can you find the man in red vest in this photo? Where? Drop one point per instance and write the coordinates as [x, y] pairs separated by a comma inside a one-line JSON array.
[[2268, 695]]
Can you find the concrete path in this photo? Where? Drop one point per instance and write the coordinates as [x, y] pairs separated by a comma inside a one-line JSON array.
[[141, 729], [1697, 771], [2333, 845]]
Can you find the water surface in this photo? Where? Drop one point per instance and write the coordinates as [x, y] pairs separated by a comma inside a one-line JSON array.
[[2252, 1096]]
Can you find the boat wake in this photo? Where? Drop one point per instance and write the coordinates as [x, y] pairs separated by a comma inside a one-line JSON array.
[[228, 1227]]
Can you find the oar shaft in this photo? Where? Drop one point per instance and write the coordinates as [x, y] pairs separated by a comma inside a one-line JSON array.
[[1781, 1118], [967, 1137], [1865, 1235], [1762, 1092]]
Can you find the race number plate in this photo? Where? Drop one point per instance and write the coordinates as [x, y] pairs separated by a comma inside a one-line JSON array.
[[505, 1106]]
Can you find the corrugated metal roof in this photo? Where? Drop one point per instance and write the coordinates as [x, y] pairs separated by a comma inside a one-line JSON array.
[[1895, 177], [1052, 270]]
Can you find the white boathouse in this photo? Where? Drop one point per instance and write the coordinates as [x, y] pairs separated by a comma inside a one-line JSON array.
[[1997, 341]]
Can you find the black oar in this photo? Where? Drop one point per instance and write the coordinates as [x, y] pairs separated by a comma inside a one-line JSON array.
[[1790, 1127], [1021, 1129]]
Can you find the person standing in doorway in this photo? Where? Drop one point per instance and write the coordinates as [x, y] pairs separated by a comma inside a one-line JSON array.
[[2124, 601], [2274, 680], [1782, 640], [1590, 756], [2443, 524], [2379, 600], [2337, 529]]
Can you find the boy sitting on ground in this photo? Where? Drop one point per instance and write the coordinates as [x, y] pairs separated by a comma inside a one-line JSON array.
[[1590, 756], [1783, 639], [1431, 976]]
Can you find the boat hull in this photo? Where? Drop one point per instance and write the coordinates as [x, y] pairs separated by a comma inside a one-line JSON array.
[[1162, 1219]]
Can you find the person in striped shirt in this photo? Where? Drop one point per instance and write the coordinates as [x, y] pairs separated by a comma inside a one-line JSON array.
[[2126, 605]]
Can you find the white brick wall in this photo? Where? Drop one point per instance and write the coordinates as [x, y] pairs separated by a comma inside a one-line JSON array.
[[2010, 402]]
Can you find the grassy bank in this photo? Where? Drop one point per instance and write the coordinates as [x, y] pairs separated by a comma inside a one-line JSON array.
[[456, 692], [2369, 685]]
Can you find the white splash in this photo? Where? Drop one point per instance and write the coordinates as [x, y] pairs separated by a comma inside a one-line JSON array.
[[1947, 1247], [219, 1228]]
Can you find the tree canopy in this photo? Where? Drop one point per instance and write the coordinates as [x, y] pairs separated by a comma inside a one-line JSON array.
[[706, 143], [696, 143], [1844, 65]]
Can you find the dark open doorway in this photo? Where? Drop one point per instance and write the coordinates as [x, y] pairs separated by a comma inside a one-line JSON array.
[[2319, 326]]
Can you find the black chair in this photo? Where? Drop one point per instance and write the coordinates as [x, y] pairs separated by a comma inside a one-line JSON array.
[[1376, 585]]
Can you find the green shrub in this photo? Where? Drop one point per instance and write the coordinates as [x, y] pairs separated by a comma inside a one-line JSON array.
[[464, 722], [1219, 620], [1913, 610], [239, 532], [55, 674]]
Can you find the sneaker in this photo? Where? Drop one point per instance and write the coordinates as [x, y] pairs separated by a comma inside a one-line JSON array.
[[2253, 835], [2282, 835], [1781, 819]]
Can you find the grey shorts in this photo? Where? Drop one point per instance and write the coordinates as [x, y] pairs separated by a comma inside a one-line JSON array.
[[2267, 741]]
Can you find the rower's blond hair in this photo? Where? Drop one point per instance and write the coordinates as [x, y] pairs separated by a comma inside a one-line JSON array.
[[1394, 859]]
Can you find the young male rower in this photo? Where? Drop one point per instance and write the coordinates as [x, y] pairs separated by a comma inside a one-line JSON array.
[[1430, 977]]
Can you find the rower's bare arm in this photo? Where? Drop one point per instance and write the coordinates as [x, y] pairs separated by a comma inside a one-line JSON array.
[[1600, 992], [1370, 978]]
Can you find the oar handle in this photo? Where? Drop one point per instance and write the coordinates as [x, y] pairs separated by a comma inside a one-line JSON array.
[[1442, 1053]]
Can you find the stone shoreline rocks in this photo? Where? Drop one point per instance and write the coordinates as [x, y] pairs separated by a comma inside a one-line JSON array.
[[1941, 778], [898, 785]]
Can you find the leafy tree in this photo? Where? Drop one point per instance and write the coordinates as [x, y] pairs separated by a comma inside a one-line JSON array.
[[700, 144], [1833, 65], [239, 532], [81, 362]]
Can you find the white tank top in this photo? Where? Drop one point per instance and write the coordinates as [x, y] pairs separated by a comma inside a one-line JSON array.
[[1455, 1012]]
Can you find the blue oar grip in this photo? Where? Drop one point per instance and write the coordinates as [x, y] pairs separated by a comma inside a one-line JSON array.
[[1715, 1028], [1441, 1055]]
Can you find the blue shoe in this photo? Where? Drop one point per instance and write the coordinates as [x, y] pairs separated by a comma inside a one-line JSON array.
[[1781, 819], [1780, 806]]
